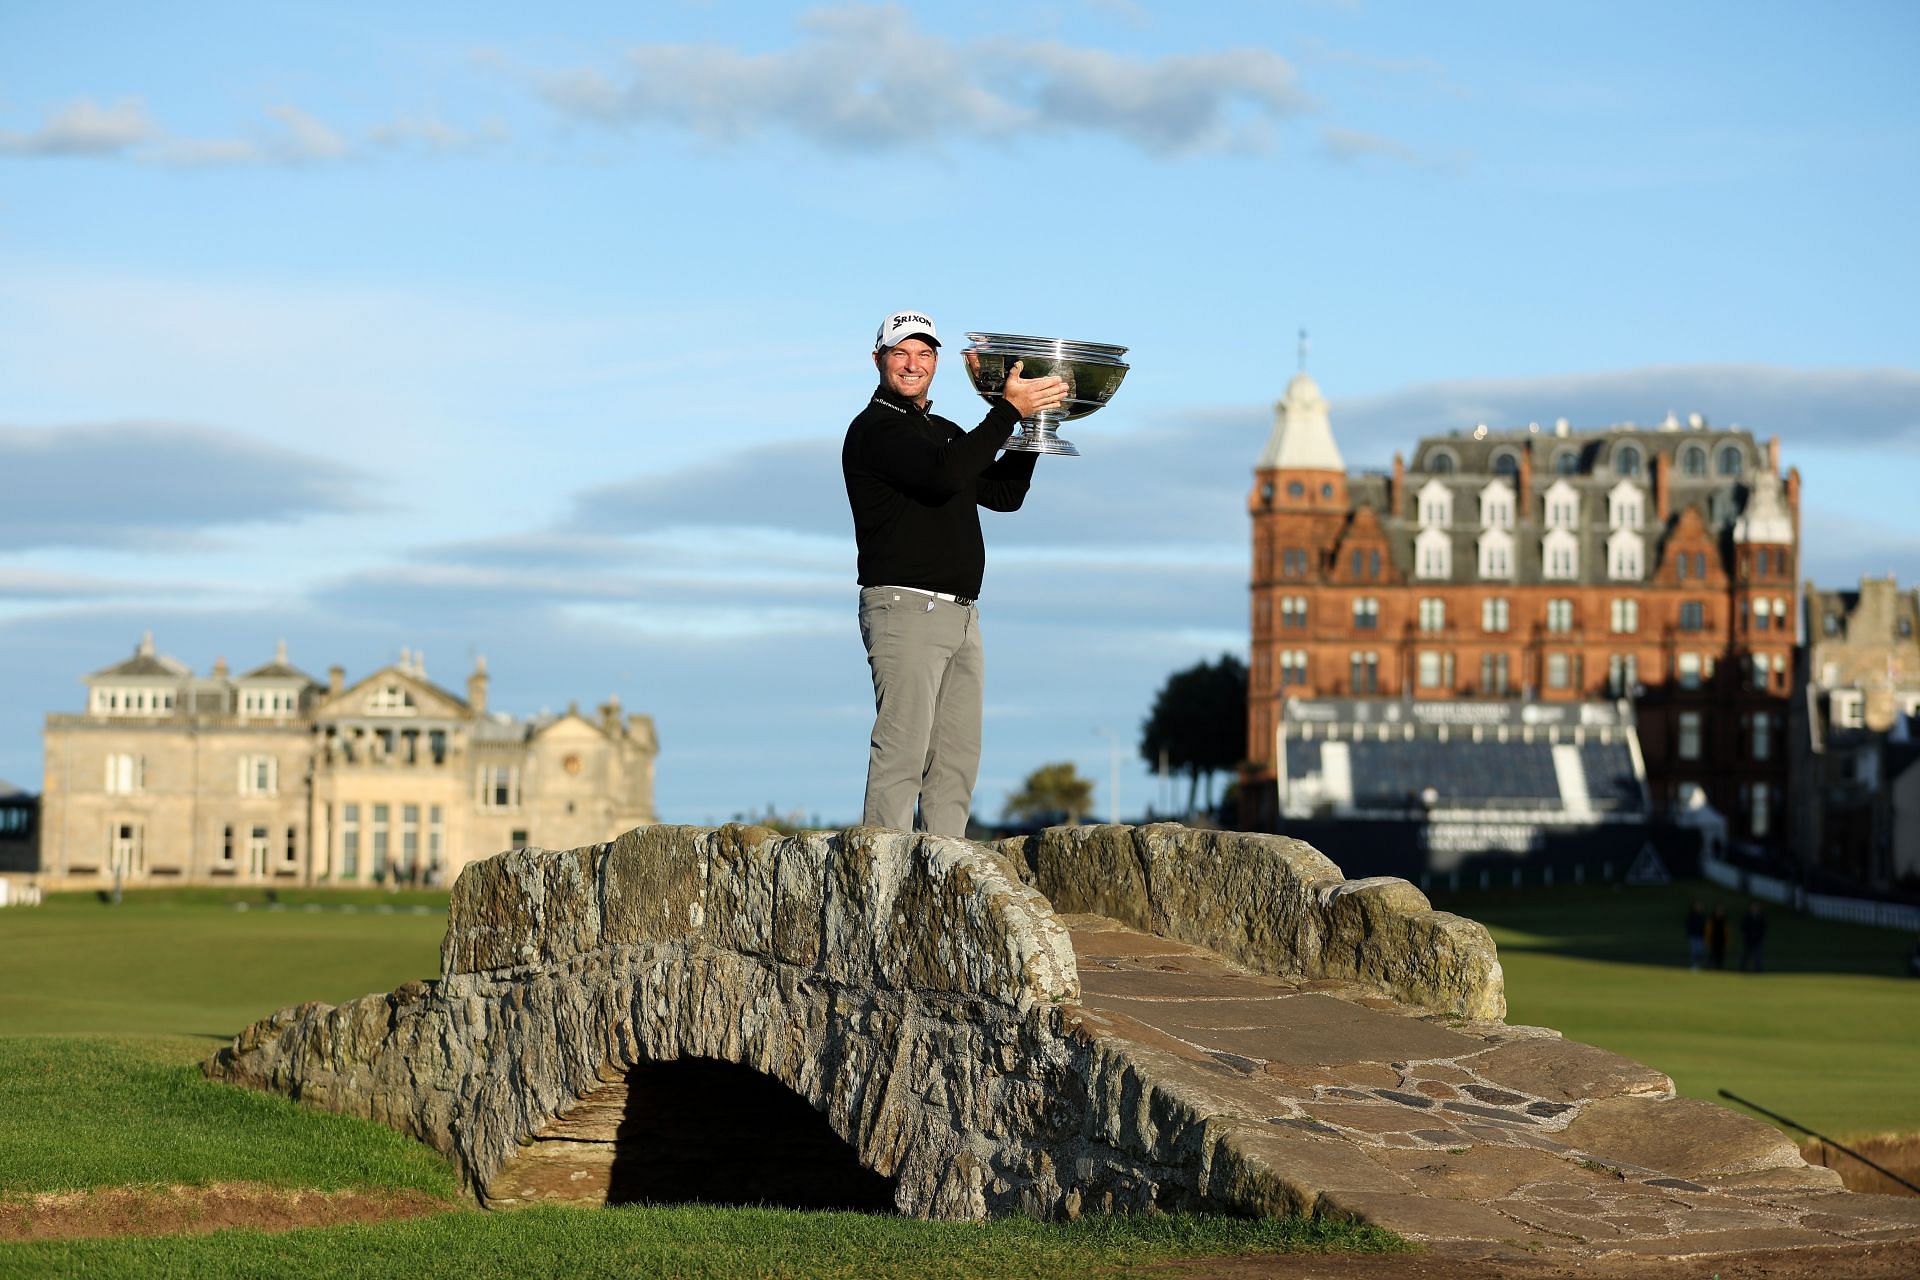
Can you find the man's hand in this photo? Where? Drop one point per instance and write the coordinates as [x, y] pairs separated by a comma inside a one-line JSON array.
[[1029, 396]]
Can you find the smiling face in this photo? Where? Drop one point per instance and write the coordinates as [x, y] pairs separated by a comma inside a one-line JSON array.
[[906, 368]]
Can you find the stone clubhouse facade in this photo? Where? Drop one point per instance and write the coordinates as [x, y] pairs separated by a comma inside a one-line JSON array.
[[272, 777]]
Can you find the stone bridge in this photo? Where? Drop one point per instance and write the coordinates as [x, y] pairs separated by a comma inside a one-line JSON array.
[[1094, 1019]]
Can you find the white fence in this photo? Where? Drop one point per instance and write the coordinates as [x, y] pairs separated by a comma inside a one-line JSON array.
[[1882, 915]]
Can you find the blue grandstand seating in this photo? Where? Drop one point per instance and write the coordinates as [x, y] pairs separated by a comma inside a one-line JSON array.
[[1610, 780]]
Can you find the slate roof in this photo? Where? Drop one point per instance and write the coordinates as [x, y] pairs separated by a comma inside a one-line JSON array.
[[1591, 457], [145, 664]]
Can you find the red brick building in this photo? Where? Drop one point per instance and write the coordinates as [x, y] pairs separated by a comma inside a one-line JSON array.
[[1653, 565]]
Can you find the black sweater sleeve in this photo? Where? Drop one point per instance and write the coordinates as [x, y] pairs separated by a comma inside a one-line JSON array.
[[908, 459], [1003, 486]]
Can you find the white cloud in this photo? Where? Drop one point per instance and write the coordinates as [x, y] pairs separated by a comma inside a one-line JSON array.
[[306, 136], [287, 135], [84, 128], [867, 78]]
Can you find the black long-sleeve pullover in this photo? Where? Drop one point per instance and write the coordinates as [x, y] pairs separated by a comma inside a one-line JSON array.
[[916, 482]]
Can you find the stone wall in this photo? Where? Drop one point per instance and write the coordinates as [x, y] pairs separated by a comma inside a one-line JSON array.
[[1274, 904]]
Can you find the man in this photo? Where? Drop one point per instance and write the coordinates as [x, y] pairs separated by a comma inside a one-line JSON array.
[[916, 482]]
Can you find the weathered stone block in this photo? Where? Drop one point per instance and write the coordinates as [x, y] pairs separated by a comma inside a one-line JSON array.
[[654, 885]]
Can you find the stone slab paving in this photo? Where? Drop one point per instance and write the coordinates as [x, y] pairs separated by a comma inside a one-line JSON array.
[[1449, 1131]]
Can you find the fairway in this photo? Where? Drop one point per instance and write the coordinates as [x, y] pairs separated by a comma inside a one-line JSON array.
[[189, 963], [1828, 1035]]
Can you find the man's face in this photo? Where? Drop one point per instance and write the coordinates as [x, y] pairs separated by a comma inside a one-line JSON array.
[[906, 368]]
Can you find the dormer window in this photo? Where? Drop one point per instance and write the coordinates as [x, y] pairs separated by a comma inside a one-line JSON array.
[[1496, 555], [1625, 560], [1566, 462], [1441, 463], [1626, 460], [1563, 506], [1433, 554], [1624, 507], [1496, 506], [1693, 460], [1436, 505], [1728, 462], [1560, 555], [1506, 463]]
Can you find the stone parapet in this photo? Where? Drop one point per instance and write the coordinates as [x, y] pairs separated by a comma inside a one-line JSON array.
[[1274, 904], [864, 907]]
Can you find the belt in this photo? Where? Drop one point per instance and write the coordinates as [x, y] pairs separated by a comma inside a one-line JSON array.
[[948, 596]]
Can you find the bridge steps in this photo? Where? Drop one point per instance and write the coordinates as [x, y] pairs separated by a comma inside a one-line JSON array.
[[1453, 1132]]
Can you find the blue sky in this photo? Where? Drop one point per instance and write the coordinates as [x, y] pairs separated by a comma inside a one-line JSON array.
[[473, 329]]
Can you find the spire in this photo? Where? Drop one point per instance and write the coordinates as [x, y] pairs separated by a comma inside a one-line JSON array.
[[1302, 438]]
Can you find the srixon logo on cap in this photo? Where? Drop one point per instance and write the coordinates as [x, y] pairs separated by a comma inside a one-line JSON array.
[[910, 318]]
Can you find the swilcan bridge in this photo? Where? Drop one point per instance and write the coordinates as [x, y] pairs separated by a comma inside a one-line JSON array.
[[1095, 1019]]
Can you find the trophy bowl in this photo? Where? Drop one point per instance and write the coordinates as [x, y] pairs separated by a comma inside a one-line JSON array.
[[1092, 371]]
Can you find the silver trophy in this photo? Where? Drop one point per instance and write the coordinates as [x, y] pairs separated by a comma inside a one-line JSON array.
[[1092, 371]]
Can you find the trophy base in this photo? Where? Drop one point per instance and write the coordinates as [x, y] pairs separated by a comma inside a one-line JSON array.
[[1032, 438]]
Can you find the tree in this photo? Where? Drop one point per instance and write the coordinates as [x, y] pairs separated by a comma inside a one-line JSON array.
[[1051, 789], [1199, 723]]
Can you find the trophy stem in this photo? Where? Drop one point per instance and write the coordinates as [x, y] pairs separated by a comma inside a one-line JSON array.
[[1041, 434]]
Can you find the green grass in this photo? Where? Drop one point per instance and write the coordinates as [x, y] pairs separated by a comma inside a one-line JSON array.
[[697, 1241], [1829, 1035], [188, 963], [91, 1113]]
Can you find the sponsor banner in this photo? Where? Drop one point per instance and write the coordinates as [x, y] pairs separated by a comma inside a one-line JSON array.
[[1362, 711]]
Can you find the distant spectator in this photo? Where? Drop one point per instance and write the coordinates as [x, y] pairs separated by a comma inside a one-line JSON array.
[[1717, 938], [1696, 935], [1753, 939]]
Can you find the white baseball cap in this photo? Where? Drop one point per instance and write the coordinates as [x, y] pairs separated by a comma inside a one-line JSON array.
[[900, 325]]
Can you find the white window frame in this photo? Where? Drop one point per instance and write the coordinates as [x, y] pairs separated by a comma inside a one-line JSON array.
[[259, 775], [391, 699], [1624, 617], [126, 774], [1626, 506], [1433, 614], [488, 778], [1560, 555], [1433, 554], [1626, 556], [1559, 616], [1563, 506], [1495, 615], [1496, 556], [1496, 505]]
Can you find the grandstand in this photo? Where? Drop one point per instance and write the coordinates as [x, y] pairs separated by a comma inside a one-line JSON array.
[[1420, 788], [1544, 762]]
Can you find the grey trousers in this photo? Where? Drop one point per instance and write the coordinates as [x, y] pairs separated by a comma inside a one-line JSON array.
[[928, 678]]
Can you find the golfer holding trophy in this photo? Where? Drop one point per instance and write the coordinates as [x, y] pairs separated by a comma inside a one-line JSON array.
[[915, 483]]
